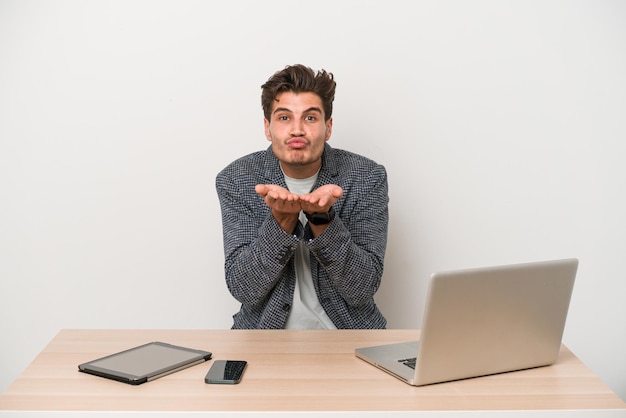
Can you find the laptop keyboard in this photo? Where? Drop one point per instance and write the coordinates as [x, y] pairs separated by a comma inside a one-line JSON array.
[[409, 362]]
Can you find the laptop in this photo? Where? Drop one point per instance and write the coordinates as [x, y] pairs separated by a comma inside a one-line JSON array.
[[484, 321]]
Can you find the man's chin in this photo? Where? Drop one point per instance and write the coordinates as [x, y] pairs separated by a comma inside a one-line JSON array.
[[298, 158]]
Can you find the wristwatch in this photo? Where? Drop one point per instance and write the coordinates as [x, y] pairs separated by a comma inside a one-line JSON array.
[[321, 218]]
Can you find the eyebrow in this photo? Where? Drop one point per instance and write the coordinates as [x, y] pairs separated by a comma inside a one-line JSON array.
[[309, 110]]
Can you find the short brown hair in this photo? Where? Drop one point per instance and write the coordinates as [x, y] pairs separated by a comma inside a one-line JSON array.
[[299, 79]]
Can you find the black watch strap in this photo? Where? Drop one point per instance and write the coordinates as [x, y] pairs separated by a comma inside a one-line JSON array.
[[321, 218]]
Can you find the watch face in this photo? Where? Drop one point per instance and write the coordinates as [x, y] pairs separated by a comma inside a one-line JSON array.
[[321, 218]]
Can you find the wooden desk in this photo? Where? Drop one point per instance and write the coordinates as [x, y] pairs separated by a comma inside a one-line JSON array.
[[288, 371]]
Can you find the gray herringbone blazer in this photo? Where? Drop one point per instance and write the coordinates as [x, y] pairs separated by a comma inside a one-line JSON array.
[[346, 260]]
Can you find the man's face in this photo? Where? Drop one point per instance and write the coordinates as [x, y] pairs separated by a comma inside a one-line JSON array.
[[297, 131]]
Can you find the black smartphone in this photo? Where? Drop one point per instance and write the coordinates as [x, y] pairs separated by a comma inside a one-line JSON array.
[[226, 371]]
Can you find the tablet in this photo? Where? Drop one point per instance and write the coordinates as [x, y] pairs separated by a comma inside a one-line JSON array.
[[145, 363]]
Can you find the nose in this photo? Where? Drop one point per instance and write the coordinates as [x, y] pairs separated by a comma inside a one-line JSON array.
[[297, 128]]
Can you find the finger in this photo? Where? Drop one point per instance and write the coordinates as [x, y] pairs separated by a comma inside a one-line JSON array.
[[323, 201], [273, 194], [261, 189], [337, 192], [310, 198]]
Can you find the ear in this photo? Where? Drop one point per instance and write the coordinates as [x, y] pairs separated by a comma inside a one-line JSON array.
[[329, 128], [266, 125]]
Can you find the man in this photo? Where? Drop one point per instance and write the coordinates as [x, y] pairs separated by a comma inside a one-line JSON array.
[[304, 224]]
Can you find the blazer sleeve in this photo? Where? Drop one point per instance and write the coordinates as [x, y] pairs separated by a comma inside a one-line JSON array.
[[352, 249], [256, 249]]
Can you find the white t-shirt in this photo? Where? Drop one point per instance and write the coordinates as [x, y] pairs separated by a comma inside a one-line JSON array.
[[306, 311]]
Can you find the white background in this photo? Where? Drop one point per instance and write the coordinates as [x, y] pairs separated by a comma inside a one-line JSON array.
[[502, 125]]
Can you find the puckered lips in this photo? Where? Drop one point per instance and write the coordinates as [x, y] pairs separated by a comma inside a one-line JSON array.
[[297, 143]]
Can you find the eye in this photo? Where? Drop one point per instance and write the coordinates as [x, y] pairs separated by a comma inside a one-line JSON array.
[[311, 118], [283, 117]]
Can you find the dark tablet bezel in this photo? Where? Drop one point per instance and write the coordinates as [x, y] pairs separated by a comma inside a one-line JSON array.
[[90, 368]]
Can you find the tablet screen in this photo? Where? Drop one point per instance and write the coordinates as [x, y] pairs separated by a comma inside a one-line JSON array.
[[145, 361]]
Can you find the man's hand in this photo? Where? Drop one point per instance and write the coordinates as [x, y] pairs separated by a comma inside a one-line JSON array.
[[284, 204], [321, 199], [278, 198]]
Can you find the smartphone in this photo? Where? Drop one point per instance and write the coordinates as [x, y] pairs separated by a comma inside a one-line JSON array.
[[226, 371]]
